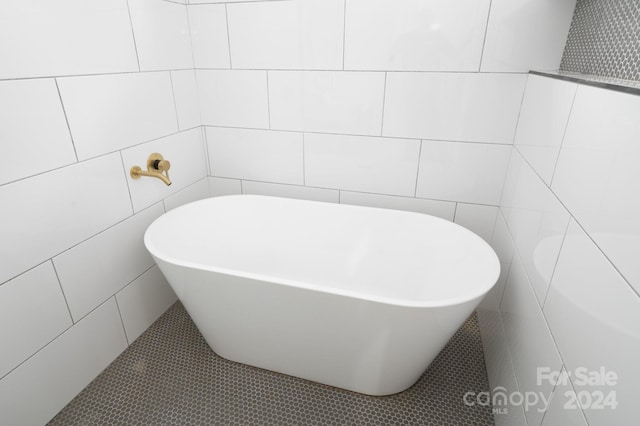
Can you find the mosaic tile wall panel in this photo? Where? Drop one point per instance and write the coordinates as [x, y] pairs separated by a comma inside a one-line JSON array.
[[604, 39]]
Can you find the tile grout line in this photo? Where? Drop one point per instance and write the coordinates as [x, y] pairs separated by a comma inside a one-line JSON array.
[[66, 119], [484, 40], [415, 190], [133, 36], [226, 18], [175, 104], [66, 301], [126, 178], [564, 134], [344, 31], [384, 100], [124, 329]]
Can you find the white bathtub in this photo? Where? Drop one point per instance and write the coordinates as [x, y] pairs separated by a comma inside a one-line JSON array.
[[354, 297]]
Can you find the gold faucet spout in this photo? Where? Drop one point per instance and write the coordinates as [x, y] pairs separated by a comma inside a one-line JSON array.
[[137, 172]]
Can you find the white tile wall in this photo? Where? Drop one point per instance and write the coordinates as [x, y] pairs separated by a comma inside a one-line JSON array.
[[161, 31], [561, 411], [531, 345], [324, 101], [34, 306], [209, 36], [261, 155], [287, 34], [415, 35], [48, 213], [360, 163], [543, 120], [223, 186], [111, 112], [34, 392], [185, 93], [467, 172], [195, 192], [468, 107], [233, 98], [96, 269], [537, 221], [143, 301], [443, 209], [604, 328], [41, 38], [524, 35], [598, 177], [477, 218], [185, 152], [27, 149], [290, 191]]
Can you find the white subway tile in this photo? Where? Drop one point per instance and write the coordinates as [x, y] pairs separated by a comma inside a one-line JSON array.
[[287, 34], [512, 415], [185, 92], [563, 408], [185, 152], [477, 218], [537, 221], [96, 269], [161, 30], [603, 331], [466, 172], [195, 192], [110, 112], [261, 155], [48, 213], [34, 133], [453, 106], [235, 98], [33, 312], [361, 163], [223, 186], [502, 242], [66, 37], [209, 36], [530, 342], [143, 301], [324, 101], [35, 391], [543, 120], [597, 176], [525, 35], [443, 209], [415, 35], [290, 191]]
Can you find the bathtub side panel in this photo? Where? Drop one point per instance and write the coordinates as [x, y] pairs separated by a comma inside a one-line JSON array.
[[363, 346]]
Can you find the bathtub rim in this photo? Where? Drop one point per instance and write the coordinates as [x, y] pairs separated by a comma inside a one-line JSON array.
[[452, 301]]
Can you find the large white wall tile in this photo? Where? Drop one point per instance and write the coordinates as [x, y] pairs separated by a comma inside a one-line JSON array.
[[48, 213], [604, 330], [261, 155], [66, 37], [34, 133], [143, 301], [415, 35], [597, 176], [161, 30], [33, 312], [185, 152], [361, 163], [96, 269], [477, 218], [35, 391], [466, 172], [537, 221], [525, 35], [543, 119], [324, 101], [563, 409], [235, 98], [530, 342], [453, 106], [290, 191], [223, 186], [209, 36], [111, 112], [195, 192], [287, 34], [443, 209], [185, 93]]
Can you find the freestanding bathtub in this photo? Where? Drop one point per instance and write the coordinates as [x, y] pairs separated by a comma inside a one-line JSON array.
[[354, 297]]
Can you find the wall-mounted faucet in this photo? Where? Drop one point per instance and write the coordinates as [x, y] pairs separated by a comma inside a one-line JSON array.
[[157, 167]]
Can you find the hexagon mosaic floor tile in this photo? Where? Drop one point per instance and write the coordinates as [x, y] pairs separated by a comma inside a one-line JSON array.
[[170, 376]]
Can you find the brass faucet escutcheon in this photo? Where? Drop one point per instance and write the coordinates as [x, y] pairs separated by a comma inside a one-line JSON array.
[[157, 167]]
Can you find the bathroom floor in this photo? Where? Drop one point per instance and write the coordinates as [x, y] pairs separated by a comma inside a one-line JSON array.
[[170, 376]]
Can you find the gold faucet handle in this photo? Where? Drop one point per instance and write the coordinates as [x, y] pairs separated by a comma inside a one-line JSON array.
[[162, 165]]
